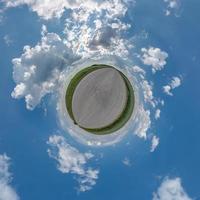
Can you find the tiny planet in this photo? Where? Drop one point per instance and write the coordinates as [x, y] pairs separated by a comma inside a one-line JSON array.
[[100, 99]]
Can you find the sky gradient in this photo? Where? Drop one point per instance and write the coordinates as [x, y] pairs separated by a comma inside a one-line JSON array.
[[156, 42]]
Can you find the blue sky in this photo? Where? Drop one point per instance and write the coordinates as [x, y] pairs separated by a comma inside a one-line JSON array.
[[127, 169]]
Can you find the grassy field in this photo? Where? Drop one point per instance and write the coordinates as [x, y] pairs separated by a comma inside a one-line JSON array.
[[126, 114]]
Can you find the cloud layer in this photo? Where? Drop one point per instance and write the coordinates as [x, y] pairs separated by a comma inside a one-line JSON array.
[[91, 29]]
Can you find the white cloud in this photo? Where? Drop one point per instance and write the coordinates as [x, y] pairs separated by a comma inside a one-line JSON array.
[[171, 189], [172, 3], [48, 9], [102, 33], [70, 160], [126, 161], [154, 143], [175, 82], [162, 102], [107, 40], [154, 57], [172, 6], [44, 8], [38, 71], [93, 28], [157, 114], [137, 69], [19, 91], [148, 92], [143, 116], [6, 190], [167, 89], [143, 122]]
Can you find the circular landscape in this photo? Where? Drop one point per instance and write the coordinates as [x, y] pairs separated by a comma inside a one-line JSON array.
[[100, 99]]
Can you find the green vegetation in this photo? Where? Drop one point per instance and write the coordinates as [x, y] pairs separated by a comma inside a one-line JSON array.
[[126, 114]]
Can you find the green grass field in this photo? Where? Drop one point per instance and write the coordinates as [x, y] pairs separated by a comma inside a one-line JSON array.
[[126, 114]]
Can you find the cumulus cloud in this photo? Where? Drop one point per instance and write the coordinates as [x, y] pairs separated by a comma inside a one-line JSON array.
[[44, 8], [154, 143], [92, 29], [48, 9], [97, 27], [154, 57], [143, 122], [70, 160], [6, 190], [148, 92], [171, 189], [93, 26], [38, 71], [143, 116], [175, 82]]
